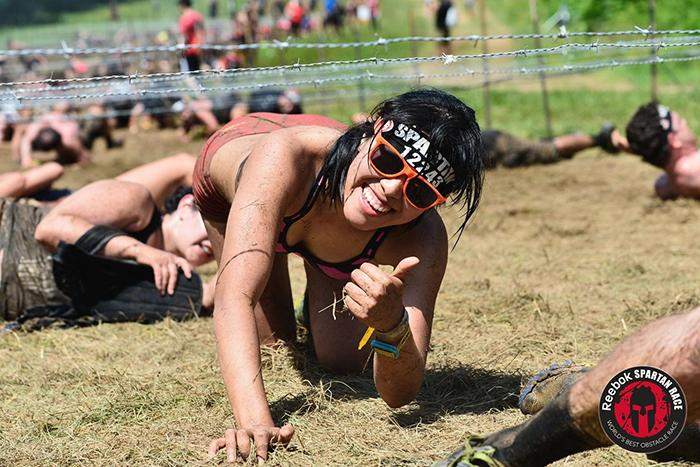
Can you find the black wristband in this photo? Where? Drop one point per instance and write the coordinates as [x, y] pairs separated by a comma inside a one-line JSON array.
[[94, 240]]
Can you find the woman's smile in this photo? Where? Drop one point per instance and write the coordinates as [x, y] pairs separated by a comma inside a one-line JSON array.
[[371, 203]]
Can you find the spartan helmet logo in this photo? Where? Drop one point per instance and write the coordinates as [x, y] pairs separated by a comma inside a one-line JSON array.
[[643, 410]]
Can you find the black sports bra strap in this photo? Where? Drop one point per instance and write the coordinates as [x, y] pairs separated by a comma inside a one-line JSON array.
[[375, 242], [308, 203], [153, 225]]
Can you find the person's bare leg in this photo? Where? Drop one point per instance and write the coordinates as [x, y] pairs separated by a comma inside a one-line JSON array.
[[274, 313], [568, 145], [135, 117], [671, 343], [209, 120], [29, 182], [569, 424], [42, 177], [11, 184], [163, 176], [335, 331]]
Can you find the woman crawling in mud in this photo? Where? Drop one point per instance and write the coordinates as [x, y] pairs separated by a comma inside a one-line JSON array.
[[345, 200]]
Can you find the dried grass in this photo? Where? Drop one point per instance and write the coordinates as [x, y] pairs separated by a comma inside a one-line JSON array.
[[561, 262]]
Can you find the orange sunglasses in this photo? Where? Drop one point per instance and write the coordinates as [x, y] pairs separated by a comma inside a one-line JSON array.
[[388, 162]]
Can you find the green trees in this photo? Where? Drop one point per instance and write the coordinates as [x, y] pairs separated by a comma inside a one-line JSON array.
[[17, 13]]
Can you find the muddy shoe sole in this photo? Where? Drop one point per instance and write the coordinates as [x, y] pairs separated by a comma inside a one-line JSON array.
[[547, 384]]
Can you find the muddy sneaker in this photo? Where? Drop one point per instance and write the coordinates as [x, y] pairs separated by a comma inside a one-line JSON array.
[[604, 139], [548, 384], [473, 454]]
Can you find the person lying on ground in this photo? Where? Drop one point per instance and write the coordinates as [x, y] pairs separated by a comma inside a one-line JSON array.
[[276, 101], [222, 109], [54, 131], [212, 113], [95, 124], [112, 219], [29, 182], [569, 423], [663, 138], [161, 178], [507, 150], [344, 199]]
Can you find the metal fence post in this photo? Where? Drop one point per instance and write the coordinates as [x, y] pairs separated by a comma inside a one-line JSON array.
[[543, 81], [485, 50], [653, 68]]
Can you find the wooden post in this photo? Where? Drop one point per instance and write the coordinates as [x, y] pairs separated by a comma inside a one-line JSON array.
[[485, 64], [653, 68], [113, 12], [540, 61]]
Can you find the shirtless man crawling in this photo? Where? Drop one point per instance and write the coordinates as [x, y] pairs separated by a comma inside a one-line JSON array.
[[54, 131], [663, 138]]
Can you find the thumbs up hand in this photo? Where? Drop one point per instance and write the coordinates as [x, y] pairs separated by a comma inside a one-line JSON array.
[[376, 297]]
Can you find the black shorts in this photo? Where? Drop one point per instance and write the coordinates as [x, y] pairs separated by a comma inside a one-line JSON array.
[[510, 151], [193, 62]]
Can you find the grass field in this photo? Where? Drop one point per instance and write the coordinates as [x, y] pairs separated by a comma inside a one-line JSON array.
[[561, 261]]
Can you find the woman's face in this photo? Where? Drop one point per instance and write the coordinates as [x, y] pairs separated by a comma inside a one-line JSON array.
[[189, 235], [372, 201]]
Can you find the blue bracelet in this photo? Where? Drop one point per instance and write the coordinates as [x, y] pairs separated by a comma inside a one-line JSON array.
[[385, 349]]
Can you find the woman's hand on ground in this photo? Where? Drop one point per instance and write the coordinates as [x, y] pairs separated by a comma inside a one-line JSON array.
[[165, 266], [376, 297], [238, 442]]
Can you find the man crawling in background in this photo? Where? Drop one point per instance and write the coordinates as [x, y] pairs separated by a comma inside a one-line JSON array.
[[507, 150], [663, 139], [53, 132], [106, 253], [565, 402]]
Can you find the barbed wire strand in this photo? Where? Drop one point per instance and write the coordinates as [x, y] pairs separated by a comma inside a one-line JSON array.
[[448, 59], [510, 73], [289, 44], [361, 77]]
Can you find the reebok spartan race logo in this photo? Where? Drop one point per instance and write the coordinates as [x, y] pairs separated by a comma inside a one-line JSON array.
[[642, 409]]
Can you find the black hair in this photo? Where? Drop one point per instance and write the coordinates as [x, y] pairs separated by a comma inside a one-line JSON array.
[[647, 137], [46, 140], [185, 3], [172, 202], [448, 123]]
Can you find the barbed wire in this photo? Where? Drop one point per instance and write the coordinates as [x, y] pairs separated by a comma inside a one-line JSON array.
[[289, 44], [508, 74], [98, 81], [327, 96], [368, 76]]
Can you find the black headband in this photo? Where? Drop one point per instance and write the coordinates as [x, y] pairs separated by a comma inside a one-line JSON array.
[[420, 153]]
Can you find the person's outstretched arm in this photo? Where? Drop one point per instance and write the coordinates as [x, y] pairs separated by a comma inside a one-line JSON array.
[[276, 170]]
